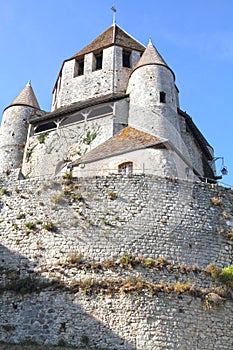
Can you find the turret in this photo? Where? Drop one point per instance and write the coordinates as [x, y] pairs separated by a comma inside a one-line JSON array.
[[14, 128], [154, 97]]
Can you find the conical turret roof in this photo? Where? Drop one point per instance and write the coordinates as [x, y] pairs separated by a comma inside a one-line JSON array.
[[151, 56], [26, 97]]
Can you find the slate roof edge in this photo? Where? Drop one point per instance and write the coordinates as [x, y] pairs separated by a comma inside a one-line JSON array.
[[78, 106], [23, 105]]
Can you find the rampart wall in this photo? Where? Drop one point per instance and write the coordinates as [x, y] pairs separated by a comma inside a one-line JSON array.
[[115, 262]]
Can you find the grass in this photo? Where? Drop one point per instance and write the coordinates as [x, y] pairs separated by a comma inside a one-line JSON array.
[[49, 226]]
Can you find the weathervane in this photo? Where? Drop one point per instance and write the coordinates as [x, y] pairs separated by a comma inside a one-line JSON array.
[[114, 10]]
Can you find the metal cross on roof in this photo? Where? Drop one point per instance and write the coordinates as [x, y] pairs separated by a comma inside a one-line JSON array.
[[113, 8]]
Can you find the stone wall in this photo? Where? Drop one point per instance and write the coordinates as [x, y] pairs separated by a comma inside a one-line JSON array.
[[116, 262], [112, 78]]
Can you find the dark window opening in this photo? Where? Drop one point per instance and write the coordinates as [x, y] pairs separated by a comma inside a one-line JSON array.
[[125, 168], [162, 97], [126, 56], [79, 67], [45, 127], [98, 61]]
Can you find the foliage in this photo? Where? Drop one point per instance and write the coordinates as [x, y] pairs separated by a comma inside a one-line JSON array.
[[230, 234], [214, 270], [30, 225], [3, 191], [212, 299], [21, 216], [91, 135], [226, 275], [42, 136], [112, 195], [74, 259], [25, 285], [49, 226], [216, 201], [29, 152]]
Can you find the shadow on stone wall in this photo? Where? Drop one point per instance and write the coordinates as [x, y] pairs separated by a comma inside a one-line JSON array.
[[38, 312]]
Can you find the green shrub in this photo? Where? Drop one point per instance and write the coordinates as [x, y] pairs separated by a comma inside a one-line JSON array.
[[3, 191], [112, 195], [30, 225], [49, 226], [226, 275], [21, 216], [42, 136]]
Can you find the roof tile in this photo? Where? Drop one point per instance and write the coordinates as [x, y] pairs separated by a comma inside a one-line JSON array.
[[125, 140], [26, 97], [114, 35], [151, 56]]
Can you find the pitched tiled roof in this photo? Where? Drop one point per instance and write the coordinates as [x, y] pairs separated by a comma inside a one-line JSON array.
[[126, 140], [151, 56], [26, 97], [114, 35]]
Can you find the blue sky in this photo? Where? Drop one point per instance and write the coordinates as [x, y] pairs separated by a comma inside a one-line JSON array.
[[194, 37]]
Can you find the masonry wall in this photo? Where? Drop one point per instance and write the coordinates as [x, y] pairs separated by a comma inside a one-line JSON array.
[[112, 78], [104, 218], [64, 144]]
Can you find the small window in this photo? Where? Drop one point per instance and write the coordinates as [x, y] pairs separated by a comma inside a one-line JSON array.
[[45, 127], [79, 67], [162, 97], [98, 61], [125, 168], [126, 57]]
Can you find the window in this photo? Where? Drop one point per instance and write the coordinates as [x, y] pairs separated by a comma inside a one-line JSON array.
[[126, 58], [98, 61], [125, 168], [162, 97], [45, 127], [79, 67]]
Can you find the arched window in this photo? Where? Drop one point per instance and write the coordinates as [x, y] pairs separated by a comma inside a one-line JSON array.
[[125, 168]]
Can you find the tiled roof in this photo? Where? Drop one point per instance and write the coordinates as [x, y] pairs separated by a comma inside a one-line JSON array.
[[151, 56], [126, 140], [26, 97], [114, 35]]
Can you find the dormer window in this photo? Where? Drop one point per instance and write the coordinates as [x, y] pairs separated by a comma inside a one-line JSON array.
[[162, 97], [79, 67], [126, 58], [97, 60]]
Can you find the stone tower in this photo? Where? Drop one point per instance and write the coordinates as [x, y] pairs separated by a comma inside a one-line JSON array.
[[14, 128], [154, 97], [100, 69]]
